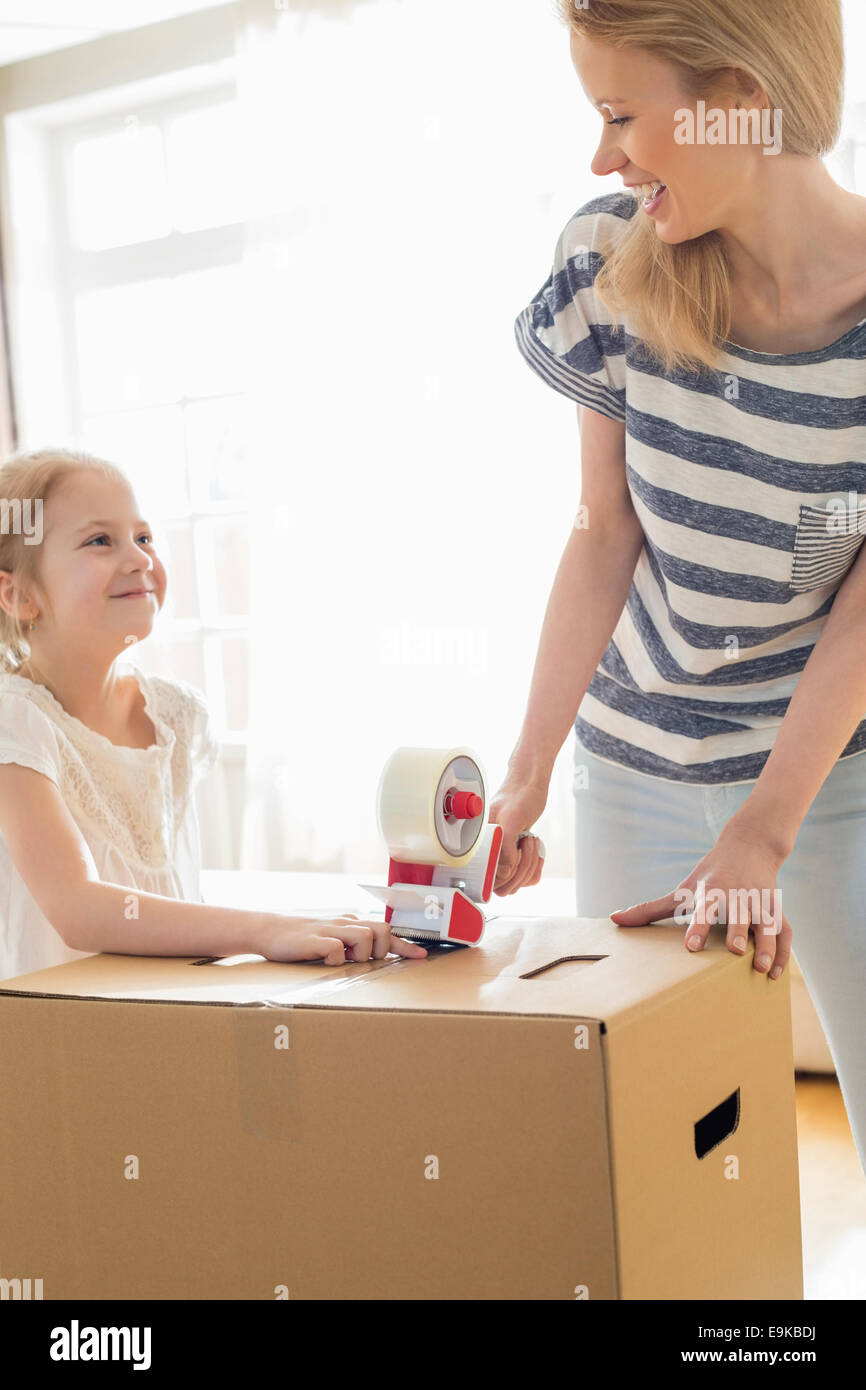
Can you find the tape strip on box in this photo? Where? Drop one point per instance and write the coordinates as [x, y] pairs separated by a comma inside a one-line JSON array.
[[269, 1093]]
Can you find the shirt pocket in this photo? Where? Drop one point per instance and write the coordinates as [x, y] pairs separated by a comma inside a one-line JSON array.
[[825, 545]]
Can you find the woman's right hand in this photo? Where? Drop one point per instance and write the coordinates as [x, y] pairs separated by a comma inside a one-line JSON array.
[[517, 806], [331, 940]]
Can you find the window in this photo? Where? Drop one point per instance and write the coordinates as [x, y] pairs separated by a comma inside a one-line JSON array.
[[128, 240]]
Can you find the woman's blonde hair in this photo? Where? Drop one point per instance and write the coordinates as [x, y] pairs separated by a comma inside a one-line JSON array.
[[24, 478], [679, 296]]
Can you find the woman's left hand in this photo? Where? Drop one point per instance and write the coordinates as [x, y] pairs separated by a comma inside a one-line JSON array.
[[739, 872]]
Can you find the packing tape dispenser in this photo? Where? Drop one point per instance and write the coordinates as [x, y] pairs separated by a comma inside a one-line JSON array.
[[432, 809]]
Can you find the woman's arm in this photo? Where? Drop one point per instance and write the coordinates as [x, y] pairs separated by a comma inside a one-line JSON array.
[[587, 598], [827, 705]]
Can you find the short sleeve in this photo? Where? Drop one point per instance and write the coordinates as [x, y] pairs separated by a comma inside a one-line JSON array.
[[203, 743], [27, 736], [566, 334]]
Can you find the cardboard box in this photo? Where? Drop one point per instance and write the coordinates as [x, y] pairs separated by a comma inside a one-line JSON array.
[[570, 1110]]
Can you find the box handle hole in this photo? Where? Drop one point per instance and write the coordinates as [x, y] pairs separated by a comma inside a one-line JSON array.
[[717, 1124]]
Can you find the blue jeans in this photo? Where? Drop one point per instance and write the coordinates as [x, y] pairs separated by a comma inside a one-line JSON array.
[[637, 837]]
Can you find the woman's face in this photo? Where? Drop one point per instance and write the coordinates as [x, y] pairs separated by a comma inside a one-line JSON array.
[[704, 182], [97, 547]]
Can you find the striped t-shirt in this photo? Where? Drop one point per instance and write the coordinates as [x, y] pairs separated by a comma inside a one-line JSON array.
[[730, 473]]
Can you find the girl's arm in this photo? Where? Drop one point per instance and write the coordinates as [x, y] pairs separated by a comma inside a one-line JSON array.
[[54, 860]]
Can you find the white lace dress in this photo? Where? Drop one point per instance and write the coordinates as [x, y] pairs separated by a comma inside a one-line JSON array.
[[134, 806]]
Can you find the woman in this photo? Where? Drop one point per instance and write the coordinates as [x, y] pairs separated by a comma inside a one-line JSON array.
[[706, 630]]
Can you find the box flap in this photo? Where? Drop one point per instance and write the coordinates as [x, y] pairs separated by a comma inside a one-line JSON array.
[[580, 967]]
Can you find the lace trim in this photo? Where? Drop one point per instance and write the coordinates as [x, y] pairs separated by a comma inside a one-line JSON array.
[[164, 733]]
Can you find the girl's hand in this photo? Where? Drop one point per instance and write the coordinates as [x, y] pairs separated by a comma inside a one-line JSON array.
[[516, 806], [332, 940], [739, 857]]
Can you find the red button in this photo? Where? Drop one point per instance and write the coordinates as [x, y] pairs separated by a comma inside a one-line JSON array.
[[463, 805]]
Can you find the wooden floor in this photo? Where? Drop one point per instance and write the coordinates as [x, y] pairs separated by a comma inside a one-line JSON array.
[[832, 1193]]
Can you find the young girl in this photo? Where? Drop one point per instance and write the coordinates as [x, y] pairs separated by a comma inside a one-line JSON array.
[[98, 760]]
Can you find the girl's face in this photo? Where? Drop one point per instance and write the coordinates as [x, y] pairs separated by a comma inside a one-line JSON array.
[[642, 93], [97, 547]]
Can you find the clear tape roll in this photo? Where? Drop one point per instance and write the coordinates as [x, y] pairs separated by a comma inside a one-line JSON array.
[[411, 805]]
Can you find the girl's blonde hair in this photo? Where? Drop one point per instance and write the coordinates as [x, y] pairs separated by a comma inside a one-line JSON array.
[[24, 478], [679, 296]]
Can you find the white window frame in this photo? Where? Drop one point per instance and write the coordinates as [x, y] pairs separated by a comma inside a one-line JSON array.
[[45, 103]]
